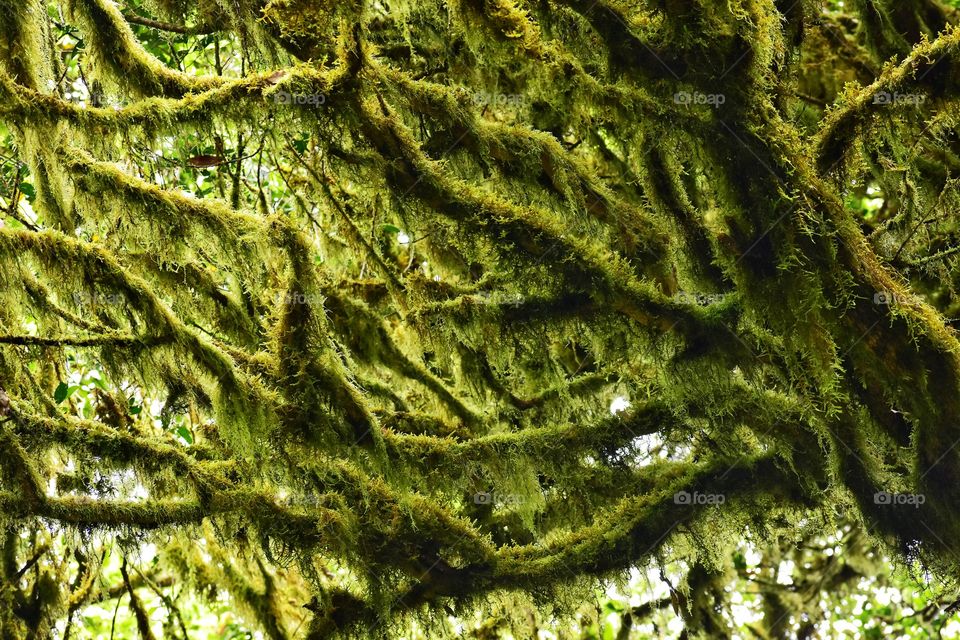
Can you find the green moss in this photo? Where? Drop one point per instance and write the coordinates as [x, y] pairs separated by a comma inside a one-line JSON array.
[[365, 294]]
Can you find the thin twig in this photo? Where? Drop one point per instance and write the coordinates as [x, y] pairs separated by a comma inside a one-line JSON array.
[[201, 29]]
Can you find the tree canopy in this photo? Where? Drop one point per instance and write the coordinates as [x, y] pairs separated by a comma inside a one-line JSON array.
[[368, 318]]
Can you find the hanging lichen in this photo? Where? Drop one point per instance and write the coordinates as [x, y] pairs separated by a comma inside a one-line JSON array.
[[404, 309]]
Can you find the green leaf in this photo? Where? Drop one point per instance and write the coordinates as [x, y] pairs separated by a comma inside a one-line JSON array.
[[390, 228], [190, 58], [61, 392], [612, 606], [300, 144], [607, 631], [184, 433]]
